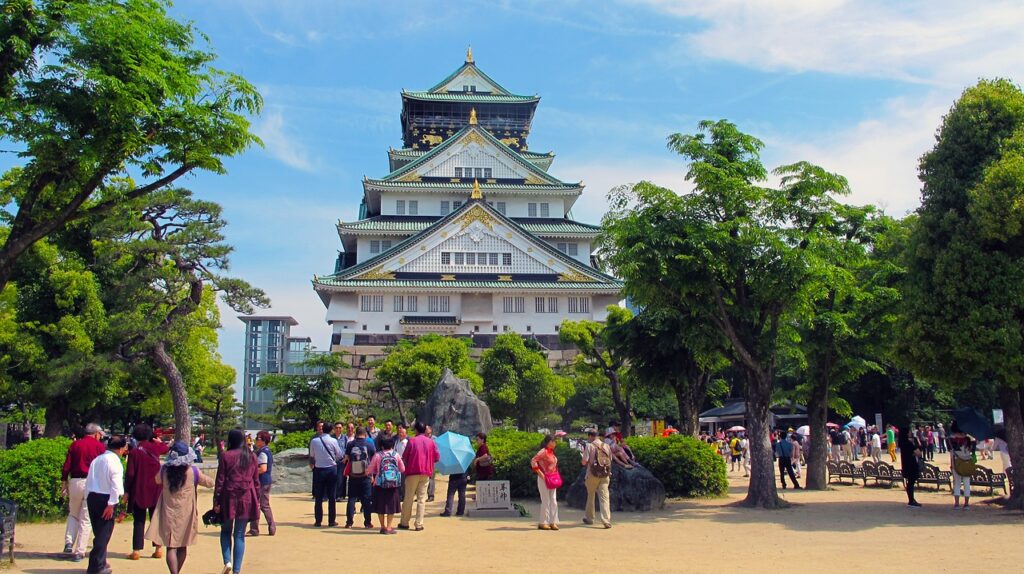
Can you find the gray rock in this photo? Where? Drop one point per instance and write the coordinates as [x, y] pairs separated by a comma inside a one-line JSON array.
[[630, 489], [291, 471], [453, 406]]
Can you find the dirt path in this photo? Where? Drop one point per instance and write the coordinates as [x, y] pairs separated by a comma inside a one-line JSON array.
[[849, 528]]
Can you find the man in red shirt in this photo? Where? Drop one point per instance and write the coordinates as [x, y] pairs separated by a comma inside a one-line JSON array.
[[76, 466], [419, 456]]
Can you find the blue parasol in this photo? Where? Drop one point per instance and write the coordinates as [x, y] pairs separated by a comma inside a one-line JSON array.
[[456, 453]]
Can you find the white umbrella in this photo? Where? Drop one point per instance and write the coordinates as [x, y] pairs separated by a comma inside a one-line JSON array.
[[804, 431], [857, 422], [736, 428]]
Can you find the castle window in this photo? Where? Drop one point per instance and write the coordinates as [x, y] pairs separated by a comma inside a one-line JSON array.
[[446, 258], [545, 210], [414, 207], [506, 259], [400, 207], [458, 172], [446, 206], [531, 209]]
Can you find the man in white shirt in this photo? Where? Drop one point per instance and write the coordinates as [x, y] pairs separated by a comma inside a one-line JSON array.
[[105, 486]]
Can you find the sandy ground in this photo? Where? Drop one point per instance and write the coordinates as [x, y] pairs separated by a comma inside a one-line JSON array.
[[848, 528]]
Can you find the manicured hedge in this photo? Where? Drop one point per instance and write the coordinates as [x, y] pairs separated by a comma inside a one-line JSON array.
[[686, 466], [512, 451], [30, 476], [291, 440]]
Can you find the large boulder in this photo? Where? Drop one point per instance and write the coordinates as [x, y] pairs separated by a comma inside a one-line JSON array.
[[453, 406], [291, 471], [630, 489]]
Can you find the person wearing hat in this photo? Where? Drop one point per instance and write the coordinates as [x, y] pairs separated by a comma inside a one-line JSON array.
[[175, 521], [80, 455], [597, 459]]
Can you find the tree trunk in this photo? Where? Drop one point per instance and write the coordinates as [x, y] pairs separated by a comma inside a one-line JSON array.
[[622, 406], [762, 491], [179, 396], [1009, 399], [56, 415], [26, 422], [398, 404], [817, 454], [690, 392]]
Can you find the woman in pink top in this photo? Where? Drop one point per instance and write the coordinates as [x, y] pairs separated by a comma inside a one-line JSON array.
[[545, 462], [386, 470]]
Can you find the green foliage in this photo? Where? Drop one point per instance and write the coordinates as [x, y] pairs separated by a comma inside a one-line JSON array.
[[599, 354], [965, 280], [296, 439], [414, 366], [686, 466], [519, 383], [30, 476], [312, 395], [512, 451], [97, 92]]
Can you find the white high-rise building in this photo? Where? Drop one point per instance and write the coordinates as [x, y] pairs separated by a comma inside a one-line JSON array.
[[468, 234]]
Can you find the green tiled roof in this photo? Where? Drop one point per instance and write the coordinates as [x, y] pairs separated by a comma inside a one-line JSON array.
[[468, 185], [406, 284], [415, 153], [472, 97], [399, 223], [459, 70], [437, 150]]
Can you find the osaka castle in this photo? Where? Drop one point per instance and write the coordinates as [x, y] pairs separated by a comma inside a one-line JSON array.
[[469, 234]]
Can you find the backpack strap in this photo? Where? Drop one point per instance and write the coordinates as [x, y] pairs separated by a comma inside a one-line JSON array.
[[195, 475]]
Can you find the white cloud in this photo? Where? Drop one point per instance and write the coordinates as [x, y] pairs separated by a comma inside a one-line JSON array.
[[943, 42], [281, 144]]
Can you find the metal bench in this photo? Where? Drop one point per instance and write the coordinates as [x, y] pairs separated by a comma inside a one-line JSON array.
[[888, 474], [843, 470], [931, 474], [8, 518], [985, 477]]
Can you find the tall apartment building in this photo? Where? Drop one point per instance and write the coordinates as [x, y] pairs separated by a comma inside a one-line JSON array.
[[270, 348]]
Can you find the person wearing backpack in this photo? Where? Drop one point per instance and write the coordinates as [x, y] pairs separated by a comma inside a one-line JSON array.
[[358, 454], [175, 522], [386, 469], [598, 460]]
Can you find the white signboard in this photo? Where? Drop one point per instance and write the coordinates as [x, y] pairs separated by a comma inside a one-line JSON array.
[[997, 416], [493, 495], [878, 422]]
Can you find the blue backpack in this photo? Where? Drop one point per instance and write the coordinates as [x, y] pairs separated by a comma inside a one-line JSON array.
[[388, 475]]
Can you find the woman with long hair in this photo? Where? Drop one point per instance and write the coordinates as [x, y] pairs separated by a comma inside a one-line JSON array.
[[236, 499], [141, 486], [176, 519], [545, 465]]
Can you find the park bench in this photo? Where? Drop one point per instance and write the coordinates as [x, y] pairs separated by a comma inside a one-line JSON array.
[[931, 474], [888, 474], [841, 470], [985, 477], [8, 517], [870, 470]]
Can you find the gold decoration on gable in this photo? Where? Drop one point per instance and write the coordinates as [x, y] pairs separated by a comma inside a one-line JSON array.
[[476, 194], [534, 180], [447, 278], [504, 277], [474, 137], [412, 176], [510, 142], [477, 214], [377, 273], [571, 276]]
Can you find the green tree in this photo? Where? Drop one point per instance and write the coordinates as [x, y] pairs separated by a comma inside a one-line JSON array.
[[413, 367], [98, 93], [738, 254], [313, 394], [964, 293], [518, 381], [167, 255], [673, 349], [592, 339]]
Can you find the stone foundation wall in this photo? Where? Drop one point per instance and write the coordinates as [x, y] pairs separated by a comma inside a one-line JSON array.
[[360, 356]]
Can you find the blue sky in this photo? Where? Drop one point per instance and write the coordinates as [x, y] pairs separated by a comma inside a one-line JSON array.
[[858, 87]]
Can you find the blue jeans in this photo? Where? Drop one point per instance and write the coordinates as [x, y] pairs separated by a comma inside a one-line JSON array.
[[358, 490], [228, 530]]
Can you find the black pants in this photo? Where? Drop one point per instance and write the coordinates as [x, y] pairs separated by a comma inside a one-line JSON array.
[[325, 480], [359, 489], [910, 488], [457, 484], [341, 491], [786, 465], [139, 526], [102, 529]]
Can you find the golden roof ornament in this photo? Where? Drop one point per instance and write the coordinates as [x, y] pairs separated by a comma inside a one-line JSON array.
[[472, 116], [469, 55], [477, 194]]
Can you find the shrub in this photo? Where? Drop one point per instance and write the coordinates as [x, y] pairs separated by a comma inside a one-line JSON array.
[[30, 476], [298, 439], [512, 451], [686, 466]]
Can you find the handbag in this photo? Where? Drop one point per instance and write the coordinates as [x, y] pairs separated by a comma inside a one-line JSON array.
[[964, 467], [552, 480], [212, 518]]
